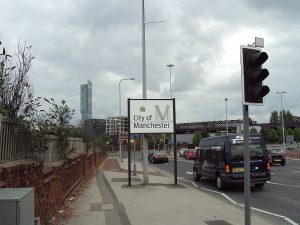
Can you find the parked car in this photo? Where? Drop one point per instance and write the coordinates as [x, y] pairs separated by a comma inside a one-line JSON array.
[[158, 157], [190, 154], [276, 155], [182, 151], [150, 152]]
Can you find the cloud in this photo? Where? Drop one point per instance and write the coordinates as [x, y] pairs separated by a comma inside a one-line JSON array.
[[102, 41]]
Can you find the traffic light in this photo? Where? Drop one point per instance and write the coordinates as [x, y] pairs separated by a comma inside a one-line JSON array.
[[253, 74]]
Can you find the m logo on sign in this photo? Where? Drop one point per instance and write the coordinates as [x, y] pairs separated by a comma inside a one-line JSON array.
[[162, 116]]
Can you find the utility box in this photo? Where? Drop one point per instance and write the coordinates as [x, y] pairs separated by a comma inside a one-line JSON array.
[[17, 206]]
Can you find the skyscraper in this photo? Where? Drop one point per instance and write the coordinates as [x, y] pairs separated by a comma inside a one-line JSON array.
[[86, 101]]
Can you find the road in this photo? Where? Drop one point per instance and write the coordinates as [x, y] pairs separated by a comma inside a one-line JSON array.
[[280, 196]]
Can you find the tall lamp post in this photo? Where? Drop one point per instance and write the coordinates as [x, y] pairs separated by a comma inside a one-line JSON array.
[[143, 137], [120, 146], [170, 66], [226, 99], [283, 136]]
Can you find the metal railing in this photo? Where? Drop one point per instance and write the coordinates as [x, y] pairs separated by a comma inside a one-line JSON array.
[[15, 141]]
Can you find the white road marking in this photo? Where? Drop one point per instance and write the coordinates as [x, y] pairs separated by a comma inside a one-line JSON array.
[[287, 185], [189, 172], [235, 203]]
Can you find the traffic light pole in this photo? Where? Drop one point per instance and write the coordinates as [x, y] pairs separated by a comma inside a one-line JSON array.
[[246, 165], [253, 76]]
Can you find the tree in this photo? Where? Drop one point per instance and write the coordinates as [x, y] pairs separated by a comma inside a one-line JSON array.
[[58, 120], [16, 93], [287, 116], [150, 142], [102, 141], [218, 133], [297, 134], [274, 117], [204, 134], [197, 138], [272, 135], [253, 130], [290, 131]]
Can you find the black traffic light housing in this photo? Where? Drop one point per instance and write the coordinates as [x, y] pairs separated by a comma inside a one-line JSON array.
[[253, 75]]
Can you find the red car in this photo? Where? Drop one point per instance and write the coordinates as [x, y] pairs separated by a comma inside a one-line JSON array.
[[191, 154], [158, 156]]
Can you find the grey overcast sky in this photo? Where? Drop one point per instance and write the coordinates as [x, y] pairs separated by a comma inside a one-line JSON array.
[[77, 40]]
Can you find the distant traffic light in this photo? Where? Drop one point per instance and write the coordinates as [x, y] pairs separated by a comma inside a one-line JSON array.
[[253, 75]]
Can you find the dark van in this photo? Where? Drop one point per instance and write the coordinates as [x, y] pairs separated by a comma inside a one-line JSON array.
[[222, 159]]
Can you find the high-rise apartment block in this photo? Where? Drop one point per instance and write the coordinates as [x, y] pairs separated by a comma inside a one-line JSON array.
[[86, 101], [116, 125]]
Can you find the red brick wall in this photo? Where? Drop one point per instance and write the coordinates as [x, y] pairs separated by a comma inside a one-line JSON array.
[[52, 181]]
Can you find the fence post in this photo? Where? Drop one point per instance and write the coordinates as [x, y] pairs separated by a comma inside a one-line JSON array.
[[0, 122]]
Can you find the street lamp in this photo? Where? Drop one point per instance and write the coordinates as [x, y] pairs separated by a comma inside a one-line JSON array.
[[170, 66], [143, 137], [283, 137], [120, 147], [226, 99]]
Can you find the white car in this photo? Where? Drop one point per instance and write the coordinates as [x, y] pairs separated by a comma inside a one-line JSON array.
[[182, 151]]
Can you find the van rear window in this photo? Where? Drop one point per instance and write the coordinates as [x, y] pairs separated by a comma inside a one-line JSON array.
[[237, 151]]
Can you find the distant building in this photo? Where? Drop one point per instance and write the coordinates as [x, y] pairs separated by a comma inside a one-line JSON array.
[[116, 124], [86, 101], [95, 127], [296, 119]]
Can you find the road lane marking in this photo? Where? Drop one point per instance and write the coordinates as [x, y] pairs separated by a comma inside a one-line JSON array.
[[287, 185], [241, 205], [189, 173], [234, 202], [195, 185]]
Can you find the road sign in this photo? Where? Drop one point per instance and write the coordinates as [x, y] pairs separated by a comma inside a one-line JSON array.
[[151, 116]]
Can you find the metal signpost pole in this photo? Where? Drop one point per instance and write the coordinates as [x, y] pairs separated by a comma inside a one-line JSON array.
[[226, 99], [246, 165], [174, 144], [129, 145], [0, 122], [145, 140], [134, 165], [170, 66], [282, 120]]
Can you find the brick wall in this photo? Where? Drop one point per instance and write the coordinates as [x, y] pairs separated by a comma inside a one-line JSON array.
[[53, 181]]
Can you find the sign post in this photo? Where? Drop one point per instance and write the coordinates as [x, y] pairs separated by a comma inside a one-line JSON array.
[[152, 116]]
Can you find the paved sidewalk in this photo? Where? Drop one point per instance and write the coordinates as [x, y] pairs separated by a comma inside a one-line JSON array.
[[109, 201]]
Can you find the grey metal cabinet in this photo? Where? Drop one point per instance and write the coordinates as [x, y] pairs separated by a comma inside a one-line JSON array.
[[16, 206]]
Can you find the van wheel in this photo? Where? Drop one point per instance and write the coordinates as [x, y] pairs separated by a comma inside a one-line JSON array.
[[220, 183], [259, 186], [195, 175]]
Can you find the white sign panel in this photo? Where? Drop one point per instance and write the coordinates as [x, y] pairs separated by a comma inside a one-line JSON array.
[[151, 116]]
